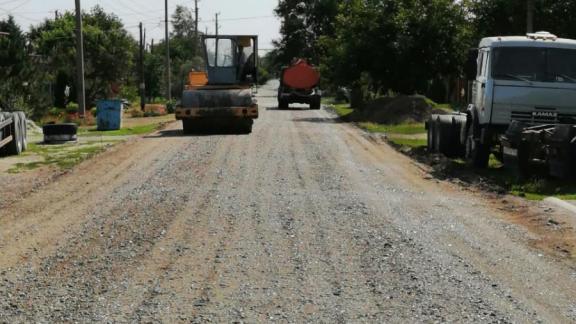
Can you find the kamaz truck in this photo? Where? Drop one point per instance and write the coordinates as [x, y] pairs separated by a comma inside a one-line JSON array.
[[523, 102], [13, 136], [222, 97]]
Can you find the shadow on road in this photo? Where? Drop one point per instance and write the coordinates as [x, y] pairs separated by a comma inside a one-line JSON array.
[[180, 133], [288, 109], [325, 120]]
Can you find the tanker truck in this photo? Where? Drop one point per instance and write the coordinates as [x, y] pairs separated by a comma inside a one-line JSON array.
[[299, 84], [12, 133]]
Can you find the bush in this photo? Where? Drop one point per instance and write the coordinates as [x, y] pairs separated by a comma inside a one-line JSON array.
[[72, 108], [94, 111], [130, 93], [171, 106], [152, 114], [136, 113], [153, 110], [55, 112]]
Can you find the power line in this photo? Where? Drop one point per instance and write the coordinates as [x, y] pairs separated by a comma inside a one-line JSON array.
[[239, 18]]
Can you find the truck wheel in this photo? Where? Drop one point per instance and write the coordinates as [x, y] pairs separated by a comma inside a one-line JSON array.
[[431, 137], [282, 104], [477, 154], [315, 105], [525, 168], [24, 129], [246, 126], [445, 137], [15, 146], [188, 126]]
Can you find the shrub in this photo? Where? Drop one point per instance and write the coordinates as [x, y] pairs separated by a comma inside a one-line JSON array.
[[55, 112], [136, 113], [72, 108], [171, 106], [155, 110], [94, 111]]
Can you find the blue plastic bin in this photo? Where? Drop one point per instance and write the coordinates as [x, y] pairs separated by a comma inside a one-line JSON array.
[[109, 115]]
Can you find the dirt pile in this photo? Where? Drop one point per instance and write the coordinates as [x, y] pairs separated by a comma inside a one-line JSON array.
[[398, 110]]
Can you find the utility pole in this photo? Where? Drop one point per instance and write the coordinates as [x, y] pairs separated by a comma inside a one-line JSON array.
[[168, 71], [142, 85], [196, 18], [80, 61], [530, 16], [217, 27]]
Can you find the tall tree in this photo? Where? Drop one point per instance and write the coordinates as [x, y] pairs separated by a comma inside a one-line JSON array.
[[303, 23], [109, 52], [14, 64], [508, 17]]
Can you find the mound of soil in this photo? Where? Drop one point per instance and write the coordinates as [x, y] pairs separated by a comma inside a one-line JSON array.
[[397, 110]]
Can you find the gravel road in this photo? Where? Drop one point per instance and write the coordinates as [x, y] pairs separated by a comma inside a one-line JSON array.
[[304, 220]]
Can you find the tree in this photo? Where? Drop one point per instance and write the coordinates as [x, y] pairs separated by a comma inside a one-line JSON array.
[[303, 23], [184, 55], [508, 17], [109, 52], [14, 64]]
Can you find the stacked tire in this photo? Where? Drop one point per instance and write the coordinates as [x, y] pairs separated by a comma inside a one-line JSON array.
[[444, 133]]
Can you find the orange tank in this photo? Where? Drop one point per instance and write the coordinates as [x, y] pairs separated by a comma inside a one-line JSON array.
[[301, 75]]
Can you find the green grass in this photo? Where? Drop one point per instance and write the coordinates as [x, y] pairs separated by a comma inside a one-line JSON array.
[[405, 129], [412, 143], [63, 156], [137, 130], [342, 110]]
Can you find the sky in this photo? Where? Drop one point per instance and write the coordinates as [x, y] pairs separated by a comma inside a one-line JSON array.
[[236, 16]]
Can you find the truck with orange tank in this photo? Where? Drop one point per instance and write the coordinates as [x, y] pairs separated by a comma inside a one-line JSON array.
[[299, 84]]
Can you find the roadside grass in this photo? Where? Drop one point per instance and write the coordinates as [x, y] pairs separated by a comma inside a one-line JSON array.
[[398, 134], [63, 156], [127, 131], [408, 142], [342, 110], [405, 129], [535, 188]]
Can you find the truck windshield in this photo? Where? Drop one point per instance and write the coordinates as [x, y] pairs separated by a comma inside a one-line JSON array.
[[534, 64]]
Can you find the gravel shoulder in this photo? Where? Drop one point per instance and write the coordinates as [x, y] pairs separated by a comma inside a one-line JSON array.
[[305, 220]]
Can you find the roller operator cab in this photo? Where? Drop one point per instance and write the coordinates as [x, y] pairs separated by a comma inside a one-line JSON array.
[[529, 79], [222, 96]]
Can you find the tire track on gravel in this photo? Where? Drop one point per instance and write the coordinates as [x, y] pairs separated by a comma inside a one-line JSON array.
[[108, 244]]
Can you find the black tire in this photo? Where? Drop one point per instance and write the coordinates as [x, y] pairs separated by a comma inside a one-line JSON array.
[[431, 137], [188, 126], [283, 104], [315, 105], [246, 126], [24, 130], [525, 168], [477, 154], [446, 141], [15, 146]]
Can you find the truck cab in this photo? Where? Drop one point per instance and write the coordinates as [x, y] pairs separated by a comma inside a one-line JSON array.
[[530, 79], [514, 79]]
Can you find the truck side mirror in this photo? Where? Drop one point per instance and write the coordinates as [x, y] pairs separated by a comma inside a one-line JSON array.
[[471, 67]]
